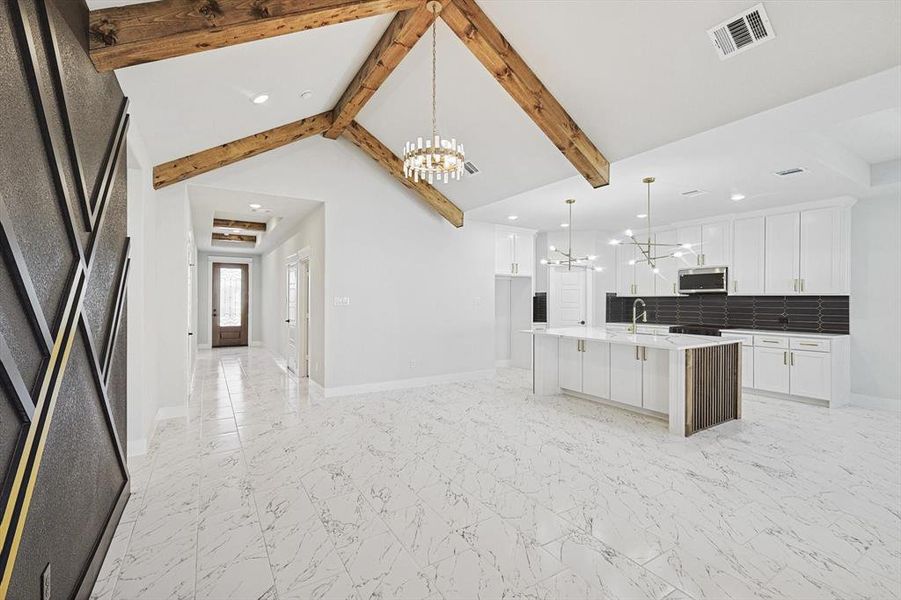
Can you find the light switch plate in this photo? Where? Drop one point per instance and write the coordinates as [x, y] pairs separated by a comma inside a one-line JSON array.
[[342, 301]]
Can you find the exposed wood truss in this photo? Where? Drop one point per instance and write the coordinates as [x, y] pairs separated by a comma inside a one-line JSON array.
[[219, 156], [480, 35], [401, 35], [138, 33], [234, 237], [245, 225], [382, 155], [144, 32]]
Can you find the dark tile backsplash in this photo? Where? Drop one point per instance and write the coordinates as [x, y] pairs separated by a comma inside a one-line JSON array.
[[822, 314]]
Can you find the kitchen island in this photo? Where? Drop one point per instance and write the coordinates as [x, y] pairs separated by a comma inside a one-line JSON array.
[[692, 381]]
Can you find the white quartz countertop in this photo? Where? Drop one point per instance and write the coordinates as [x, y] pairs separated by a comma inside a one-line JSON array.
[[669, 341], [807, 334]]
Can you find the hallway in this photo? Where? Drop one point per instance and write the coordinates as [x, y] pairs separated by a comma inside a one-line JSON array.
[[268, 491]]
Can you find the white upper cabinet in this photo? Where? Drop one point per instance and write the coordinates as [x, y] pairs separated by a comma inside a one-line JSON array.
[[715, 244], [782, 248], [690, 238], [514, 252], [746, 270], [667, 280], [821, 252], [625, 270]]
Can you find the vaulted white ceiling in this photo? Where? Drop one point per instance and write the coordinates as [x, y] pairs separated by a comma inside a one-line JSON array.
[[635, 76]]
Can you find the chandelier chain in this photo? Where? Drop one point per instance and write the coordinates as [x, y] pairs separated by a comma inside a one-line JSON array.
[[434, 73]]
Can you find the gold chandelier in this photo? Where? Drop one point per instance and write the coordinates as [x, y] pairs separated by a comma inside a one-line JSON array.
[[650, 251], [437, 158], [566, 257]]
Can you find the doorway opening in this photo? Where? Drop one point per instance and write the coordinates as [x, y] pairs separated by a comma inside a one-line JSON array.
[[297, 314], [230, 304]]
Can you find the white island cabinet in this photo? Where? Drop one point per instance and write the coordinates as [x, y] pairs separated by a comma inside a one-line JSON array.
[[692, 381]]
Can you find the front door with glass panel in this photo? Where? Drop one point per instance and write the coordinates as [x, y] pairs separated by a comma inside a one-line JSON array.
[[230, 299]]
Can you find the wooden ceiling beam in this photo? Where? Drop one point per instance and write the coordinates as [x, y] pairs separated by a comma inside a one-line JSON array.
[[234, 237], [383, 155], [484, 40], [231, 152], [401, 35], [122, 36], [233, 224]]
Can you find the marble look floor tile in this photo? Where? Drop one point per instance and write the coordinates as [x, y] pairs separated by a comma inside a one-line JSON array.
[[425, 534], [792, 501], [109, 571]]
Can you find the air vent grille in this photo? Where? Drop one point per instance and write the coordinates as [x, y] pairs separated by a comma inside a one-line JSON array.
[[470, 168], [792, 171], [693, 193], [742, 32]]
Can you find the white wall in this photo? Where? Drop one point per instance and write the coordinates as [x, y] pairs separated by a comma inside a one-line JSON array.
[[421, 291], [876, 301], [203, 297], [310, 233]]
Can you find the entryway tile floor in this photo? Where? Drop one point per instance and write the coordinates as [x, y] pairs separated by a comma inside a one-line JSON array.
[[481, 490]]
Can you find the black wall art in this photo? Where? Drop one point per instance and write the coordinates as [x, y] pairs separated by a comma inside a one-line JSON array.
[[63, 272]]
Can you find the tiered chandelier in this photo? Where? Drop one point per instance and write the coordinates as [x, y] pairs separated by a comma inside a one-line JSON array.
[[437, 158], [566, 258]]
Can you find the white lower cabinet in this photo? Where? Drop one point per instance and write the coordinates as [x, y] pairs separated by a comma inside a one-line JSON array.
[[771, 370], [569, 364], [747, 366], [596, 369], [639, 376], [811, 374], [625, 374]]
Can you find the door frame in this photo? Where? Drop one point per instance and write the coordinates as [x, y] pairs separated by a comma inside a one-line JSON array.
[[304, 288], [209, 294]]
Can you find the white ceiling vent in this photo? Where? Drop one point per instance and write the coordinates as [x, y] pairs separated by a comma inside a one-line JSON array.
[[792, 171], [742, 32], [693, 193], [471, 169]]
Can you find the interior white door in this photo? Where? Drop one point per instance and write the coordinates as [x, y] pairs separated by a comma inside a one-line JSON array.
[[503, 252], [655, 379], [715, 244], [820, 251], [625, 374], [771, 370], [811, 374], [781, 252], [568, 297], [292, 273], [502, 319], [746, 271], [668, 275], [691, 238], [596, 369], [569, 364]]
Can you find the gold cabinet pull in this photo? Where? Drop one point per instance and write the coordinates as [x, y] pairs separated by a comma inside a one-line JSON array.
[[636, 353], [808, 344], [802, 285], [785, 358], [791, 359], [644, 353]]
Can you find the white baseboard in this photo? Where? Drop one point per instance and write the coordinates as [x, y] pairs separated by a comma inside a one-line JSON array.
[[170, 412], [137, 447], [204, 346], [876, 402], [400, 384], [256, 344], [502, 363]]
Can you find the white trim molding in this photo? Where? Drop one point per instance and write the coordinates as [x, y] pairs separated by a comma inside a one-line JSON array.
[[401, 384], [170, 412]]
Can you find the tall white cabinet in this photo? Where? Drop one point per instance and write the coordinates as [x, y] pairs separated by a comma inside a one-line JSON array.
[[748, 255]]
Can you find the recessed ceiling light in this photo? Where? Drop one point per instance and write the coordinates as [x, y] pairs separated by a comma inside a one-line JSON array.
[[738, 197], [564, 224], [512, 217], [306, 94], [260, 98], [642, 215], [256, 206]]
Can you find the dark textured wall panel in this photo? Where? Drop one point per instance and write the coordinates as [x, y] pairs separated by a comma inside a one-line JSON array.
[[76, 489], [27, 179], [60, 140], [822, 314]]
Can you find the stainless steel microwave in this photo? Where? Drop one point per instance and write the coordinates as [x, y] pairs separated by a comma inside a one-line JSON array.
[[704, 280]]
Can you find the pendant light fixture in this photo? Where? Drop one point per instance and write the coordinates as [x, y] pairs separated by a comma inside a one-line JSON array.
[[436, 157], [650, 251], [568, 260]]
